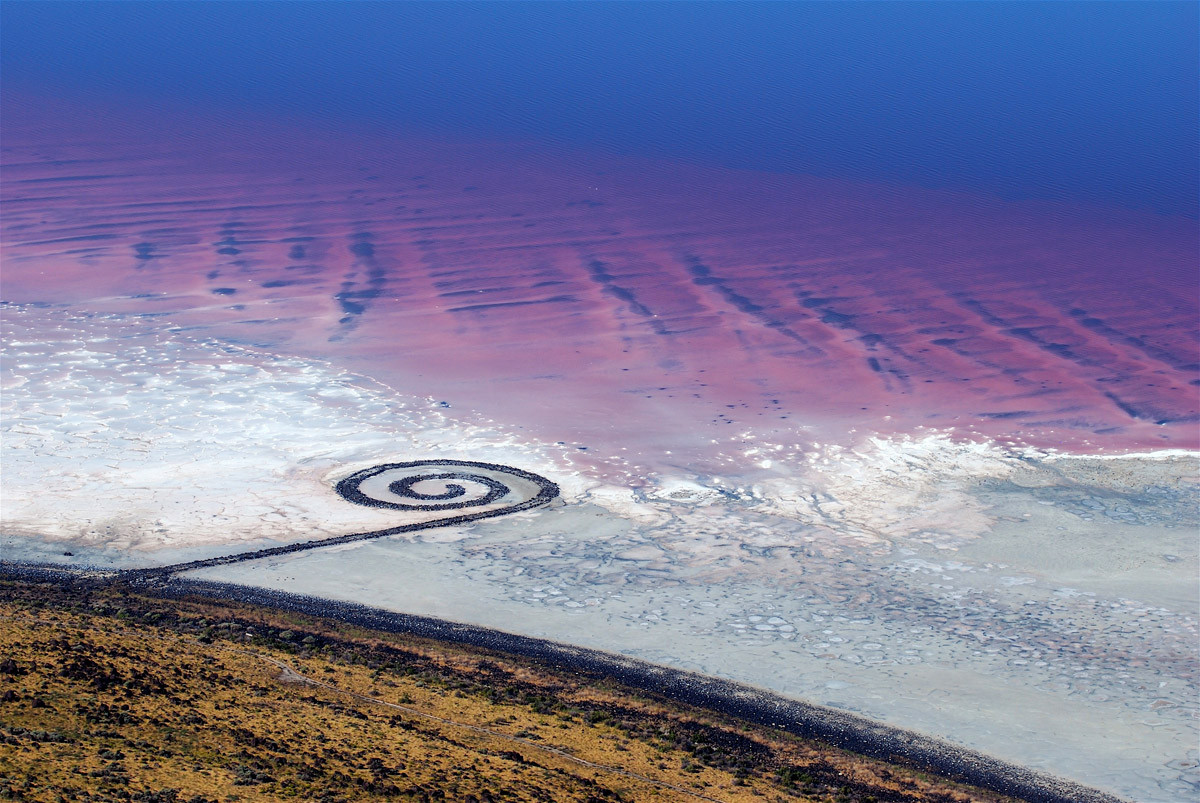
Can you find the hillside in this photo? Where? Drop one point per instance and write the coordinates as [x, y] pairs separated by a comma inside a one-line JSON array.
[[108, 695]]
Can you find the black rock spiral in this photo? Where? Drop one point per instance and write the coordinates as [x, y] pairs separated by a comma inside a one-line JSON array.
[[493, 489], [401, 479]]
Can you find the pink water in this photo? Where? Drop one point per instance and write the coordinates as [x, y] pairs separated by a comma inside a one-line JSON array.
[[613, 303]]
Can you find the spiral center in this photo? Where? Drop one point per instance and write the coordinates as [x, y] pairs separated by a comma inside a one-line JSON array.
[[405, 488]]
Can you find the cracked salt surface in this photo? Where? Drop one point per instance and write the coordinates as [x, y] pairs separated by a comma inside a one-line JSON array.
[[1033, 606]]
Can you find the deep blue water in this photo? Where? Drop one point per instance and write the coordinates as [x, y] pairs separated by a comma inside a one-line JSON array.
[[1094, 102]]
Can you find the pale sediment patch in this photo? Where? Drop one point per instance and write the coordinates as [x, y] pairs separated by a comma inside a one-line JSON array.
[[884, 491], [1160, 454], [897, 489], [122, 437]]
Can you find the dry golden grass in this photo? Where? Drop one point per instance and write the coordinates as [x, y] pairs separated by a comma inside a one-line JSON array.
[[108, 695]]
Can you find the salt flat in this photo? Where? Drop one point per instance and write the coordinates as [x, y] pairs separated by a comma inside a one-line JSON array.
[[1032, 605]]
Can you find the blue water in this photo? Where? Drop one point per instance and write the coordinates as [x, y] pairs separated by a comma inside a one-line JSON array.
[[1091, 102]]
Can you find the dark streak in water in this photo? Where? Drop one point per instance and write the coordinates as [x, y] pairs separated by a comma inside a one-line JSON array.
[[481, 307], [702, 277], [1126, 408], [1013, 414], [1162, 355], [353, 298], [460, 293], [62, 179], [82, 238], [598, 273], [871, 340], [1027, 333]]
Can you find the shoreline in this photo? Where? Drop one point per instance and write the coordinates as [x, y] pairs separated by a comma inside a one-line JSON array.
[[1155, 454], [841, 729]]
